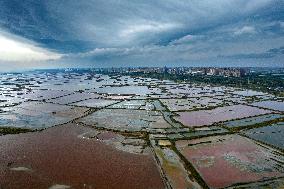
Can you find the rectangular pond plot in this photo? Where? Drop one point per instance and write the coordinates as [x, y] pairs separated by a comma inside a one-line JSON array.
[[249, 93], [72, 98], [6, 101], [226, 160], [40, 107], [191, 103], [39, 121], [164, 96], [253, 120], [192, 90], [179, 104], [39, 115], [232, 98], [274, 105], [209, 117], [205, 102], [129, 104], [272, 134], [125, 119], [45, 94], [117, 97], [95, 103], [73, 85], [125, 90]]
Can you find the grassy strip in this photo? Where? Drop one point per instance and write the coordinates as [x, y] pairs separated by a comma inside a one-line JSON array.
[[253, 126], [13, 130]]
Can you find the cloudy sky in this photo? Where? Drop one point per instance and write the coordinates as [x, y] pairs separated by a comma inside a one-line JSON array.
[[104, 33]]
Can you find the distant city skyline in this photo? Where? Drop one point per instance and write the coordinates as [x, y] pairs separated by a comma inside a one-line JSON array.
[[98, 33]]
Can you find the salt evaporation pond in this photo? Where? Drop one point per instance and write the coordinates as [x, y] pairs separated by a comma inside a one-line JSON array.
[[208, 117], [274, 105], [39, 115], [271, 134], [226, 160], [125, 119], [138, 90], [252, 120]]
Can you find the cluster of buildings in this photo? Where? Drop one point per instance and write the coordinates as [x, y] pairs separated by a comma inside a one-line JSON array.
[[225, 72], [214, 71]]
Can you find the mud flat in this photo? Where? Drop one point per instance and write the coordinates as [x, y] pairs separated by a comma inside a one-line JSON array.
[[60, 157]]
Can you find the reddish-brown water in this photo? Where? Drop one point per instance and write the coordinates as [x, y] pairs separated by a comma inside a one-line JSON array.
[[58, 156], [226, 160], [208, 117]]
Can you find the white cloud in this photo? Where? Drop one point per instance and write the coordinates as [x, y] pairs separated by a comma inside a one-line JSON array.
[[256, 4], [245, 30], [100, 52], [188, 39], [12, 49], [150, 27]]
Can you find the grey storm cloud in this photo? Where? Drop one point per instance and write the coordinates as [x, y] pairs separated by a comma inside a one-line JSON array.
[[169, 31], [268, 54]]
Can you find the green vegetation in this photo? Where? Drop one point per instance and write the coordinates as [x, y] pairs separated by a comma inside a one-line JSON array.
[[12, 130], [189, 166], [262, 124], [269, 83]]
